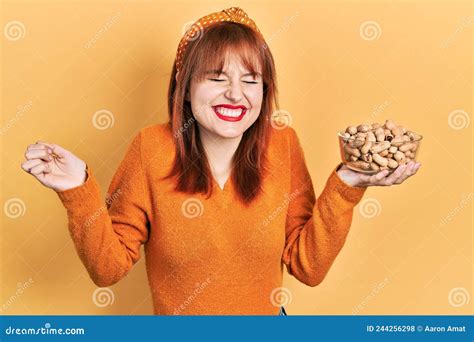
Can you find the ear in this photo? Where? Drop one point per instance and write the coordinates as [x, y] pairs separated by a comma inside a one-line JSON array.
[[176, 76]]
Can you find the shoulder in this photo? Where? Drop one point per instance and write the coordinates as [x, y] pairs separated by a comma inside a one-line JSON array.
[[156, 138], [283, 138], [156, 131]]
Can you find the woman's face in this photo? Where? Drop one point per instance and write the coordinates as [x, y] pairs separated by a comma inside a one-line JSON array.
[[227, 104]]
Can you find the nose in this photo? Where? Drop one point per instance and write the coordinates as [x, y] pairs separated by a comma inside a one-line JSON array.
[[234, 92]]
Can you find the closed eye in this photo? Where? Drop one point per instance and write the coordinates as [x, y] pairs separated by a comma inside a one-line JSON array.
[[251, 82], [216, 79]]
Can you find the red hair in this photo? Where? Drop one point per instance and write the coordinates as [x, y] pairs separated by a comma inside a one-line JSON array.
[[208, 52]]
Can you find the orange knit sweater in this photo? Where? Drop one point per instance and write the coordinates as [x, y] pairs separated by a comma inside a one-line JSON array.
[[210, 256]]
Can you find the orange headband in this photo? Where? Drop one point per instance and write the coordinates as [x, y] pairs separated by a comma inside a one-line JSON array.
[[233, 14]]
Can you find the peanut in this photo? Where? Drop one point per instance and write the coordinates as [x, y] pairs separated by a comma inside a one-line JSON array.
[[397, 141], [379, 159], [352, 151], [407, 147], [351, 130], [360, 164], [357, 143], [363, 128], [390, 124], [392, 164], [374, 166], [365, 149], [380, 147]]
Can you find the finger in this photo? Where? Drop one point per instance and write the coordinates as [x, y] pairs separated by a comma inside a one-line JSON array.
[[37, 147], [38, 154], [379, 176], [43, 143], [404, 174], [59, 151], [395, 175], [408, 172], [42, 168], [27, 165]]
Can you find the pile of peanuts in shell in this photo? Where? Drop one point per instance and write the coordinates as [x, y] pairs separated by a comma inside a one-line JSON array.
[[377, 147]]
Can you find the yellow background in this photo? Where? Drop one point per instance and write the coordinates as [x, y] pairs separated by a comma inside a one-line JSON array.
[[77, 58]]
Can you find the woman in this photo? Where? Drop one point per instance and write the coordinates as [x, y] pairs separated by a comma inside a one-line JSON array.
[[219, 198]]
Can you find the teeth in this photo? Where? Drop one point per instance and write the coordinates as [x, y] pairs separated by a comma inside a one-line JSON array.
[[229, 112]]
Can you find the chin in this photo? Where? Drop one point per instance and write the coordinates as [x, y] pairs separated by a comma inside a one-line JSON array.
[[229, 132]]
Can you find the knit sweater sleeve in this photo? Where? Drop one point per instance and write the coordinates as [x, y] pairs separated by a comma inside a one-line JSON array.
[[315, 229], [107, 236]]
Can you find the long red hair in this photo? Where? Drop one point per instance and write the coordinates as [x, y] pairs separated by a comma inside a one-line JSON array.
[[191, 167]]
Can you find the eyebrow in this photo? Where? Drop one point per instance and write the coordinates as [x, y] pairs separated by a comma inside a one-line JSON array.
[[223, 72]]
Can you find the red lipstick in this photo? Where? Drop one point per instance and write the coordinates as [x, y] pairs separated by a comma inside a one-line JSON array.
[[227, 117]]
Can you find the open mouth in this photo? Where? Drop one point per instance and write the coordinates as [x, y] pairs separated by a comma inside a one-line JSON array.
[[229, 112]]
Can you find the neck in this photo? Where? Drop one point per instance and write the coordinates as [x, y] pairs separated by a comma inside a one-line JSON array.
[[219, 150]]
